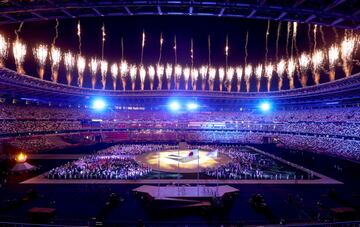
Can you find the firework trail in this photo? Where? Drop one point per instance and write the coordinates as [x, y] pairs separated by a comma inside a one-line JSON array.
[[56, 33], [175, 54], [192, 52], [142, 47], [209, 50], [246, 47], [309, 37], [295, 27], [79, 35], [17, 31], [336, 34], [103, 33], [322, 37], [266, 40], [122, 48], [315, 36], [277, 40], [287, 39], [226, 51], [160, 50]]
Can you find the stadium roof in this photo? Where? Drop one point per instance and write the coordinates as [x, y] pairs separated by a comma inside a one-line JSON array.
[[336, 13]]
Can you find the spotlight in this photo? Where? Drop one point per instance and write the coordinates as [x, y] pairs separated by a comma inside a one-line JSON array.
[[99, 104], [265, 106], [174, 106], [192, 106]]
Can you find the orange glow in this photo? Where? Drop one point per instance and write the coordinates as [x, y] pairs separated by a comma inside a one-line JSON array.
[[21, 157]]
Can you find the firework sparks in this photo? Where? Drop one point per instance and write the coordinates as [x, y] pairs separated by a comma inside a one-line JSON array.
[[168, 71], [269, 69], [81, 62], [55, 57], [142, 73], [69, 61], [186, 72], [203, 73], [94, 64], [160, 73], [151, 72], [221, 74], [347, 50], [258, 71], [194, 77], [333, 54], [4, 47], [291, 66], [168, 74], [317, 60], [103, 71], [114, 73], [178, 71], [248, 72], [40, 54], [124, 68], [239, 73], [229, 75], [304, 62], [212, 74], [133, 71], [280, 68]]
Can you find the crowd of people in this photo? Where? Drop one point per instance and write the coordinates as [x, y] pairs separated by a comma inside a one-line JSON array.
[[247, 164], [303, 129], [116, 162]]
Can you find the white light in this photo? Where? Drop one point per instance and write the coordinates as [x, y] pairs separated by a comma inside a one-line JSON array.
[[192, 106], [265, 106], [174, 106], [99, 104]]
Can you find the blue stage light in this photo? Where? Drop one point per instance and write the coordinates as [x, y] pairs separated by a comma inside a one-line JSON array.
[[265, 106], [192, 106], [99, 104], [174, 106]]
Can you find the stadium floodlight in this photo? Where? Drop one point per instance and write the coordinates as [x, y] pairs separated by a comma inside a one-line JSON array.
[[99, 104], [174, 106], [192, 106], [265, 106]]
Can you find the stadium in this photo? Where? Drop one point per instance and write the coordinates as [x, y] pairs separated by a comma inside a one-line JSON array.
[[180, 113]]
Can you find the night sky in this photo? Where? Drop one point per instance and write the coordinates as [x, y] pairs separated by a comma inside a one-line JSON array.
[[184, 27]]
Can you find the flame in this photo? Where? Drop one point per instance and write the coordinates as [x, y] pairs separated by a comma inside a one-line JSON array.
[[21, 157]]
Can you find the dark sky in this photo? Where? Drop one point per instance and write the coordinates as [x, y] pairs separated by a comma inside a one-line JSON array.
[[184, 27]]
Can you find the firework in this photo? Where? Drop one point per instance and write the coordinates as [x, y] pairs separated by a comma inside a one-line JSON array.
[[142, 73], [55, 57], [142, 47], [114, 74], [203, 74], [81, 62], [168, 74], [133, 71], [79, 35], [212, 74], [221, 77], [194, 77], [4, 47], [280, 69], [317, 61], [333, 55], [269, 69], [291, 66], [40, 54], [186, 72], [160, 73], [304, 62], [258, 74], [230, 72], [151, 72], [347, 50], [93, 65], [69, 61], [248, 72], [103, 71], [239, 74], [178, 71]]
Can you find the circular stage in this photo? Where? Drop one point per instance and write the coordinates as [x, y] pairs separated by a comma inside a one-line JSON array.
[[182, 161]]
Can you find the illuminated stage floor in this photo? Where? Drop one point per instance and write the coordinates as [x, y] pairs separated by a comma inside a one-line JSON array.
[[179, 161]]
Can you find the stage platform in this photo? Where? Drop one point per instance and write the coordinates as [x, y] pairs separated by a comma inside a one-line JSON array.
[[186, 192]]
